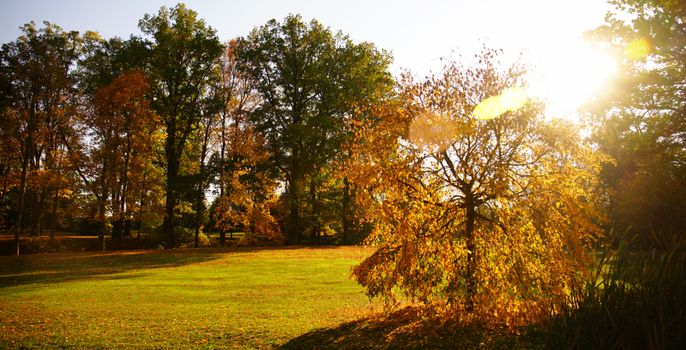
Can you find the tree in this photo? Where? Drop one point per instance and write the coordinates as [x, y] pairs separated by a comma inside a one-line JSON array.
[[181, 66], [308, 80], [116, 164], [104, 61], [242, 157], [488, 216], [641, 122], [39, 86], [250, 196], [123, 127]]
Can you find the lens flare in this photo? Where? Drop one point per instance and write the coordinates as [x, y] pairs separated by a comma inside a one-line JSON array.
[[432, 129], [638, 49], [511, 99]]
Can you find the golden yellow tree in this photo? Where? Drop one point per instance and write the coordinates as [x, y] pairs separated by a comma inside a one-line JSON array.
[[250, 195], [486, 206]]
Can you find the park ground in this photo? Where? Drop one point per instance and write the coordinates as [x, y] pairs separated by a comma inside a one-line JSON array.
[[251, 298]]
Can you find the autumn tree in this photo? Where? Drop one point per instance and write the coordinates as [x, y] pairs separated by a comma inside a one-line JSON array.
[[124, 128], [640, 122], [308, 80], [489, 214], [182, 58], [37, 70], [116, 164], [243, 178], [249, 198]]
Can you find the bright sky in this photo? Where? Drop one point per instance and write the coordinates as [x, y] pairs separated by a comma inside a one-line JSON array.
[[418, 33]]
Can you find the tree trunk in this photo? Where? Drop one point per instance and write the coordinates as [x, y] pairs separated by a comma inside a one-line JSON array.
[[170, 201], [140, 207], [26, 154], [123, 193], [117, 228], [345, 215], [54, 213], [22, 195], [101, 221], [315, 229], [39, 219], [172, 171], [293, 229], [222, 174], [101, 202], [197, 236], [138, 229], [471, 250], [127, 227], [54, 204]]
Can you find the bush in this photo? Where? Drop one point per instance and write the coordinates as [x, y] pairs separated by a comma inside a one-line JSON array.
[[184, 236], [637, 300]]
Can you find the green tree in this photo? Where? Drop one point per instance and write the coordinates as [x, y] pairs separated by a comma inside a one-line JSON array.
[[309, 80], [641, 121], [182, 57], [105, 60], [487, 216]]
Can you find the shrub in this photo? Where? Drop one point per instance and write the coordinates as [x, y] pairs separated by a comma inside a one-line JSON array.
[[636, 300], [184, 236]]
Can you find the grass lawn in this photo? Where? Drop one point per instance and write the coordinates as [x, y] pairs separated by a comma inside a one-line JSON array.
[[257, 298]]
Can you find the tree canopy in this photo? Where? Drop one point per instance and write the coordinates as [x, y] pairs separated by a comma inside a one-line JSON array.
[[182, 60], [309, 80], [491, 216], [640, 123]]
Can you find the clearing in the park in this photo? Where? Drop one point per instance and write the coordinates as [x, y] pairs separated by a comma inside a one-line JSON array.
[[253, 298]]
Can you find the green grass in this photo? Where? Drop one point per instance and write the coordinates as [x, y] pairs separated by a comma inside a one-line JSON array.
[[257, 298]]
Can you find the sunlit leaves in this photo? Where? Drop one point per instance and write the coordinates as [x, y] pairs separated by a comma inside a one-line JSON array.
[[490, 217], [122, 131], [432, 129], [37, 108]]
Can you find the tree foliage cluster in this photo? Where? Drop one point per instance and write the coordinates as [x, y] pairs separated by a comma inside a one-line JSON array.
[[492, 217], [640, 121], [115, 135]]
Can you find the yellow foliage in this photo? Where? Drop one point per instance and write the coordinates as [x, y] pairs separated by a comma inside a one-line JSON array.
[[239, 208], [496, 222]]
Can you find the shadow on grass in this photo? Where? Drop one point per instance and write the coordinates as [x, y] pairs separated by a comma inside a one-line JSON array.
[[61, 267], [406, 329]]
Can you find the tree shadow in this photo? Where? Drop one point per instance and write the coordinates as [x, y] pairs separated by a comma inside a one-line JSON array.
[[62, 267], [409, 328]]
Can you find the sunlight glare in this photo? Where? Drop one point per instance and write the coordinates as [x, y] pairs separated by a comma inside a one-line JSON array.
[[568, 76]]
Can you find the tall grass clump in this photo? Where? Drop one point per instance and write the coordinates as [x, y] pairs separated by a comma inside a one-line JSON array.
[[635, 300]]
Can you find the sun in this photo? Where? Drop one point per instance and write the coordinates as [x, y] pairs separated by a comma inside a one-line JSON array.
[[568, 75]]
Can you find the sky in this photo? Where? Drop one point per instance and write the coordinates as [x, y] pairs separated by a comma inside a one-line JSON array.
[[418, 33]]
